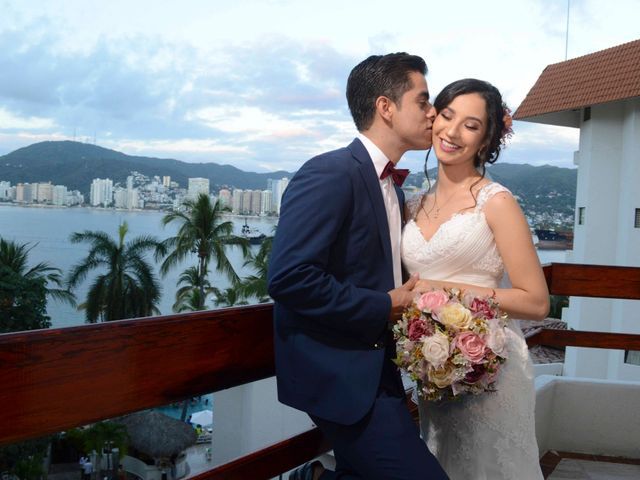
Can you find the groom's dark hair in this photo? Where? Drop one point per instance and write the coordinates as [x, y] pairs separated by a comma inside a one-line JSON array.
[[380, 75]]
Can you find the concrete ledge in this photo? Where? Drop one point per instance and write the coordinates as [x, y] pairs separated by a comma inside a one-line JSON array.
[[599, 417]]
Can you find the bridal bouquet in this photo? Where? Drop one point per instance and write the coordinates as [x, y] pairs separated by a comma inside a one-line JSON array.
[[451, 343]]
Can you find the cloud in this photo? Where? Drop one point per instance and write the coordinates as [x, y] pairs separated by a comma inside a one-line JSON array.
[[203, 81], [9, 121]]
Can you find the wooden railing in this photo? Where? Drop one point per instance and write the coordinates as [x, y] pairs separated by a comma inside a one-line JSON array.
[[590, 281], [56, 379]]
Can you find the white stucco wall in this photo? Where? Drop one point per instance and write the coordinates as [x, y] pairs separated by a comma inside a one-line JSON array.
[[599, 417], [249, 417], [609, 188]]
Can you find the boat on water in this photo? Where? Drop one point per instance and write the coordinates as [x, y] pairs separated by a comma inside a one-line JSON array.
[[549, 239], [254, 236]]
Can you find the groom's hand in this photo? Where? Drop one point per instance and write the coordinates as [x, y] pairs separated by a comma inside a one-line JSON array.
[[401, 298]]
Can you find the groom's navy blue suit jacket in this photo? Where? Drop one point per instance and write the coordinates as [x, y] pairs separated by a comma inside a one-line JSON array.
[[329, 274]]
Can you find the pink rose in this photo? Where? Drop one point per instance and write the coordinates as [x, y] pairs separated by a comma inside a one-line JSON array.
[[471, 346], [481, 309], [418, 328], [429, 301]]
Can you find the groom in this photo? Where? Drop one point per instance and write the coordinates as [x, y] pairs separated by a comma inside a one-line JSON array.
[[335, 277]]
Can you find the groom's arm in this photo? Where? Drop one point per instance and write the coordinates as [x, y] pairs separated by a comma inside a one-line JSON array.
[[316, 206]]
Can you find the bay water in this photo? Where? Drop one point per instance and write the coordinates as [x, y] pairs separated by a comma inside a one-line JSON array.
[[47, 231]]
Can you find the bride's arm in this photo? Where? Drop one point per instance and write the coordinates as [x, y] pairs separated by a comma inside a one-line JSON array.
[[528, 297]]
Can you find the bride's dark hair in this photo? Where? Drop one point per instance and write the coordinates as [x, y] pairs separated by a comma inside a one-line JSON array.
[[496, 113]]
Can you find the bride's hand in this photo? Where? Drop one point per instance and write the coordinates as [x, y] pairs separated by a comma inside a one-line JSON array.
[[425, 285]]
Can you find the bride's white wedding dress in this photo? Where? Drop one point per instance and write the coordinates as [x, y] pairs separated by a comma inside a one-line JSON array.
[[489, 436]]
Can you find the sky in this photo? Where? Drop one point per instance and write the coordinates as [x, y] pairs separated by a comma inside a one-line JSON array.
[[260, 84]]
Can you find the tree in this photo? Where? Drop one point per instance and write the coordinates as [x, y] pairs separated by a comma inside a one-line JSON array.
[[128, 288], [25, 459], [188, 296], [24, 290], [256, 285], [101, 437], [203, 233], [228, 297]]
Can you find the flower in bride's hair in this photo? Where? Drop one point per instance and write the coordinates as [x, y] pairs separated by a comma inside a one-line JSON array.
[[507, 130]]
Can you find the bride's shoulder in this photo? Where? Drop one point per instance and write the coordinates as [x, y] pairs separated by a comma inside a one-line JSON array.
[[496, 197], [490, 190]]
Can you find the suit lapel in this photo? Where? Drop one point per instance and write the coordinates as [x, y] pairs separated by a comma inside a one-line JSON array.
[[372, 183]]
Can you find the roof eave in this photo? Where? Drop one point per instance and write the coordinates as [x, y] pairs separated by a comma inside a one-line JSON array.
[[565, 118]]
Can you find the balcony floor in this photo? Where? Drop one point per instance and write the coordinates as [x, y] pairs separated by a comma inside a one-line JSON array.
[[566, 466]]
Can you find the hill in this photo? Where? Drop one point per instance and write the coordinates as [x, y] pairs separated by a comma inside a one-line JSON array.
[[545, 193], [76, 164], [542, 191]]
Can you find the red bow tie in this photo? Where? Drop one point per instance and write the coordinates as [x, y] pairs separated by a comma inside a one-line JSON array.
[[397, 174]]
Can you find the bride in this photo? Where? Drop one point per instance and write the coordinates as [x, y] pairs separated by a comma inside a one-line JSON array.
[[466, 232]]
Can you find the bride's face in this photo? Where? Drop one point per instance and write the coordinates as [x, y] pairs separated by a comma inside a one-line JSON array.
[[459, 129]]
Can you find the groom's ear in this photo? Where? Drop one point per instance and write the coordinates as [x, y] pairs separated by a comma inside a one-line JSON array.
[[384, 107]]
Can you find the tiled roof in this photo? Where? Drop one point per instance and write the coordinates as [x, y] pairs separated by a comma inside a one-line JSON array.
[[600, 77]]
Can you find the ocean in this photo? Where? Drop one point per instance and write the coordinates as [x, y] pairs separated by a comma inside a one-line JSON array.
[[47, 230]]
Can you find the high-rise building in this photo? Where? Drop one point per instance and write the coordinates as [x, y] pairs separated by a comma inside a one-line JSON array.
[[236, 200], [277, 188], [246, 202], [256, 202], [166, 181], [59, 195], [20, 193], [44, 193], [197, 186], [5, 190], [265, 205], [224, 197], [120, 197], [30, 192], [101, 192]]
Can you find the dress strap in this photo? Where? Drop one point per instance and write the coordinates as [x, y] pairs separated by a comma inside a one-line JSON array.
[[488, 191]]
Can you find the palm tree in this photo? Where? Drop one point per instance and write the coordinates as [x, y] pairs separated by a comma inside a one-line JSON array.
[[128, 287], [256, 285], [101, 437], [228, 297], [14, 257], [188, 295], [202, 232]]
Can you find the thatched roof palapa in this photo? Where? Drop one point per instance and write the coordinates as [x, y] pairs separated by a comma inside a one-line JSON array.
[[157, 434]]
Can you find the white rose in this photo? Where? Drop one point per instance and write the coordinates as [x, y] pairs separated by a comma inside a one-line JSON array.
[[497, 341], [435, 349]]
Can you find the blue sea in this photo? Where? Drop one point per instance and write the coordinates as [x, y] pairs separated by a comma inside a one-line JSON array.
[[47, 231]]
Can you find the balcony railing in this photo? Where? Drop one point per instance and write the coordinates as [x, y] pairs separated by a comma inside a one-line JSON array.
[[56, 379]]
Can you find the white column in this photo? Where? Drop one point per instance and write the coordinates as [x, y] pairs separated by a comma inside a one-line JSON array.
[[608, 179]]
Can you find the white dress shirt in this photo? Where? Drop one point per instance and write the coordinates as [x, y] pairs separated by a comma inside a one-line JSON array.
[[391, 204]]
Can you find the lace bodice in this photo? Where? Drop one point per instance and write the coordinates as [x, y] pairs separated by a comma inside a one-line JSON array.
[[462, 250]]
